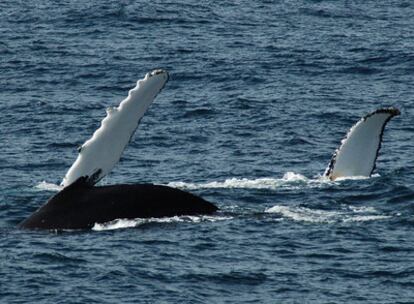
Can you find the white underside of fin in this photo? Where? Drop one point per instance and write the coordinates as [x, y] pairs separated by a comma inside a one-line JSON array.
[[359, 149], [100, 153]]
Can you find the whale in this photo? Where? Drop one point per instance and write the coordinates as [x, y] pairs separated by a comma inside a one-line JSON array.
[[359, 149], [81, 204]]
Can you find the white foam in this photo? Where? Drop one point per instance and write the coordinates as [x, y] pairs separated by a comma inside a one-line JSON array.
[[130, 223], [294, 177], [365, 218], [304, 214], [362, 209], [357, 177], [289, 180], [117, 224], [350, 214], [48, 186]]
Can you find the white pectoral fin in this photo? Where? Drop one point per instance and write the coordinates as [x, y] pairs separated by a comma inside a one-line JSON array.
[[359, 149], [99, 154]]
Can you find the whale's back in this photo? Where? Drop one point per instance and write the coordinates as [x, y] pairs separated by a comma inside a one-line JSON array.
[[80, 205]]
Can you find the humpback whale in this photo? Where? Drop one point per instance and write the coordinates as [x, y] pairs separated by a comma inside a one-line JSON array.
[[81, 204], [358, 152]]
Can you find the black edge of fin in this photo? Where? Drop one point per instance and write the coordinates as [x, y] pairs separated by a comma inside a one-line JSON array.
[[83, 181], [94, 178]]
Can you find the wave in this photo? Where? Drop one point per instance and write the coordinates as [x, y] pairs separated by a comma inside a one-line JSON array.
[[351, 214], [289, 180], [131, 223]]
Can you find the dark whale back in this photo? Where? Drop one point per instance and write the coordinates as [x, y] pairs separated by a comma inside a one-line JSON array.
[[80, 205]]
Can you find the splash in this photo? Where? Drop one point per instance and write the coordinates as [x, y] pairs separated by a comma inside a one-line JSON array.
[[350, 214], [131, 223]]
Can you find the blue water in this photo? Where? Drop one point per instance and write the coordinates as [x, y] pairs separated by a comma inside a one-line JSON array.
[[260, 95]]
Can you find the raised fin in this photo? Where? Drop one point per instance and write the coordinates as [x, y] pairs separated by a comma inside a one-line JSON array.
[[359, 149], [99, 154]]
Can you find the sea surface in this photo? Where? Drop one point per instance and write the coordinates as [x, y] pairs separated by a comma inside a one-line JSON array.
[[260, 95]]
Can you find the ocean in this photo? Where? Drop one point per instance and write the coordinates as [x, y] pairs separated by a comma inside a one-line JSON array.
[[260, 95]]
